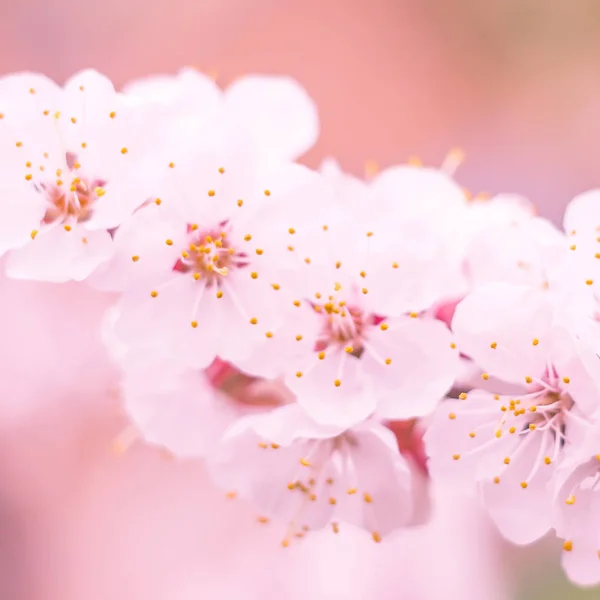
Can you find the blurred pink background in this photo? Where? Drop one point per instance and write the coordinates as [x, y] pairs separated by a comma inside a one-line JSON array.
[[514, 83]]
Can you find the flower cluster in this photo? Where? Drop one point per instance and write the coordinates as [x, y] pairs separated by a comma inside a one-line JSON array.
[[299, 330]]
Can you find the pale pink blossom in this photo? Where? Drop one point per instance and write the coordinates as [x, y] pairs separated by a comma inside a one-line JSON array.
[[207, 272], [273, 114], [508, 444], [176, 407], [311, 476], [529, 251], [73, 168], [577, 510]]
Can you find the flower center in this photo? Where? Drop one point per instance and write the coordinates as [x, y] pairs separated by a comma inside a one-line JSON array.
[[343, 325], [209, 256], [70, 197]]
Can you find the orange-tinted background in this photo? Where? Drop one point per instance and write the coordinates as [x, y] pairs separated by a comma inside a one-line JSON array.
[[515, 83]]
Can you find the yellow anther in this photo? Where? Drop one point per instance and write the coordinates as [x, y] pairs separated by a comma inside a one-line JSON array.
[[33, 234], [275, 286], [99, 191], [338, 264], [493, 345], [298, 337], [364, 290], [485, 376], [19, 144], [388, 361], [59, 182], [462, 396], [570, 500], [367, 498], [135, 258], [363, 274], [247, 237], [496, 479], [298, 374], [211, 193], [535, 341], [456, 456], [369, 234], [507, 460], [240, 203], [349, 349], [452, 416], [265, 520], [171, 165], [28, 177], [498, 433], [413, 315], [269, 334], [383, 326], [263, 445], [291, 231], [83, 145], [219, 294], [154, 293], [352, 491], [547, 460], [528, 379], [267, 193], [332, 501], [321, 355], [221, 170], [524, 485], [169, 242], [275, 446], [453, 345], [337, 383], [566, 380], [196, 276], [567, 545], [296, 302], [305, 462], [259, 251], [512, 430], [253, 321], [194, 324], [67, 227], [158, 202], [472, 434], [376, 537], [254, 275], [112, 114], [589, 282], [28, 164]]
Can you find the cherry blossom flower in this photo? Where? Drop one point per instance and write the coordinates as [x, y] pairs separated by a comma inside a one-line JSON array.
[[72, 170], [509, 444], [206, 272], [577, 510], [311, 476]]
